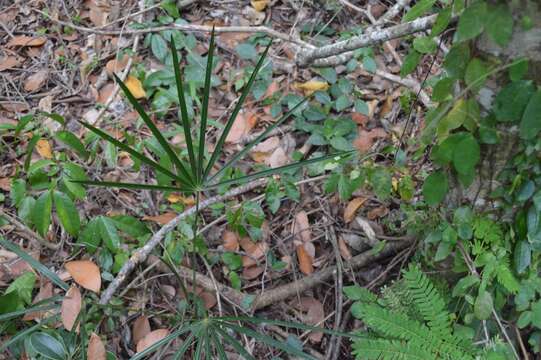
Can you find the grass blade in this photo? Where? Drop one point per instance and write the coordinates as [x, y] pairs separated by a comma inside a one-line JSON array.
[[282, 345], [40, 306], [257, 140], [201, 340], [204, 108], [236, 345], [217, 344], [183, 110], [134, 153], [39, 267], [157, 134], [219, 145], [185, 345], [280, 169], [24, 333], [130, 185]]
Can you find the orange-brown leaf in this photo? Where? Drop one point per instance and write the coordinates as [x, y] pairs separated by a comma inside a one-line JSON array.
[[36, 81], [301, 227], [365, 139], [344, 249], [43, 148], [135, 86], [9, 62], [161, 219], [96, 349], [71, 307], [151, 338], [243, 123], [252, 272], [315, 315], [259, 5], [45, 292], [231, 241], [115, 66], [305, 260], [85, 273], [140, 328], [23, 40], [352, 207]]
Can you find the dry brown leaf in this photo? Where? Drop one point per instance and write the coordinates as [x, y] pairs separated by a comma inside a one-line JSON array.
[[344, 249], [36, 81], [254, 251], [105, 92], [376, 213], [85, 273], [71, 307], [365, 139], [315, 315], [231, 241], [151, 338], [209, 299], [352, 207], [301, 227], [359, 118], [45, 292], [178, 198], [161, 219], [140, 328], [43, 147], [23, 40], [46, 104], [259, 5], [5, 184], [96, 349], [115, 66], [244, 122], [9, 62], [278, 158], [311, 86], [305, 260], [135, 86], [386, 107], [273, 88], [252, 272]]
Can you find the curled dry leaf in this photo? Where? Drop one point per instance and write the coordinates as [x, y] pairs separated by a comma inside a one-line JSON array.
[[135, 86], [140, 328], [23, 40], [252, 272], [242, 125], [184, 200], [43, 147], [254, 251], [344, 249], [151, 338], [71, 307], [161, 219], [367, 229], [115, 66], [278, 158], [85, 273], [352, 207], [305, 260], [209, 299], [301, 227], [231, 241], [365, 139], [311, 86], [259, 5], [105, 92], [36, 81], [377, 213], [9, 62], [96, 349], [315, 315]]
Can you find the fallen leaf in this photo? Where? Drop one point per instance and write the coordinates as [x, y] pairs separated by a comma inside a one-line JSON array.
[[151, 338], [259, 5], [161, 219], [278, 158], [5, 184], [252, 272], [243, 123], [352, 207], [43, 147], [254, 251], [45, 292], [315, 315], [9, 62], [135, 86], [140, 328], [231, 241], [376, 213], [71, 307], [46, 104], [359, 118], [273, 88], [23, 40], [99, 10], [311, 86], [344, 249], [96, 349], [85, 273], [36, 81], [301, 227], [115, 66], [178, 198], [209, 299], [305, 260], [365, 139], [105, 92], [386, 107]]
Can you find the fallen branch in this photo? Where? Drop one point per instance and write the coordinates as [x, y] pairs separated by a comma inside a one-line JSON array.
[[373, 36], [141, 254]]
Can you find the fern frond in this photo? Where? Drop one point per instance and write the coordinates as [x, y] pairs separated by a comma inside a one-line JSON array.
[[381, 349], [505, 276]]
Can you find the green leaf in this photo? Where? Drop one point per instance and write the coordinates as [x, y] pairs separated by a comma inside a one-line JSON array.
[[518, 69], [500, 24], [355, 292], [483, 305], [109, 234], [23, 286], [17, 191], [524, 319], [328, 74], [464, 284], [443, 90], [9, 302], [90, 236], [246, 51], [442, 154], [476, 74], [369, 64], [530, 124], [454, 119], [41, 213], [456, 60], [425, 45], [442, 21], [410, 63], [158, 45], [472, 21], [343, 102], [536, 314], [511, 101], [68, 138], [419, 9], [67, 213], [466, 155], [435, 188], [522, 256], [171, 7], [47, 346]]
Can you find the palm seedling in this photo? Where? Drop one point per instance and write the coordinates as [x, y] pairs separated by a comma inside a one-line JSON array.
[[195, 175]]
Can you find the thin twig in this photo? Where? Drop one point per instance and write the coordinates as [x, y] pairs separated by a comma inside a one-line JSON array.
[[27, 232]]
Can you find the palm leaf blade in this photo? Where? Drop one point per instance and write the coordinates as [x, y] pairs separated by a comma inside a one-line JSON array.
[[135, 186]]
